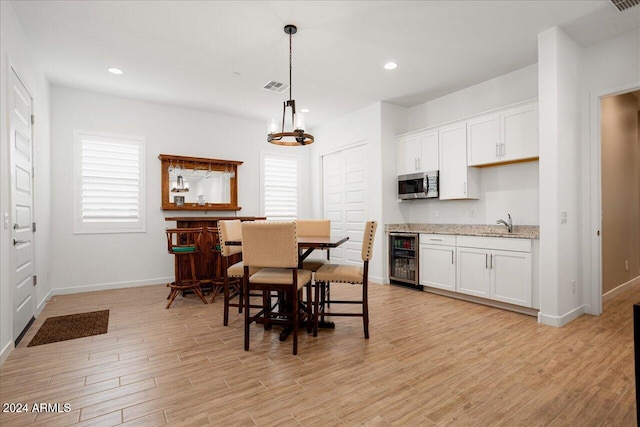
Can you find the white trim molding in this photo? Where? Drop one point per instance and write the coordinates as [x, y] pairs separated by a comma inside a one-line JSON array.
[[113, 285], [619, 289], [559, 321]]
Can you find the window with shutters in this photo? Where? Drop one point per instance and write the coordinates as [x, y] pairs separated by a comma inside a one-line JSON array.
[[109, 183], [279, 201]]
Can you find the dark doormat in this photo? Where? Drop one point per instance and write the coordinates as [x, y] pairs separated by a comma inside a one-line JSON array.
[[72, 326]]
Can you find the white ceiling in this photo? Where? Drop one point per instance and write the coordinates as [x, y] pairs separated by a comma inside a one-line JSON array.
[[189, 53]]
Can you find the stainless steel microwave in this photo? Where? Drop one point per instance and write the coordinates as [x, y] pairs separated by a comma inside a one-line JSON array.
[[422, 185]]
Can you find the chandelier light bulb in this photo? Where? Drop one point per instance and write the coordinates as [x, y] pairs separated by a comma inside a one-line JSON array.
[[273, 125], [299, 121]]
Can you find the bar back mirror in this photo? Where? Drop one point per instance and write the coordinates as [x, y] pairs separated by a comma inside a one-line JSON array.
[[196, 183]]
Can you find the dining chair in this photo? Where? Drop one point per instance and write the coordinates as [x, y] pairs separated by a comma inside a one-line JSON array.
[[273, 246], [352, 274], [184, 243], [230, 230], [314, 227], [310, 228]]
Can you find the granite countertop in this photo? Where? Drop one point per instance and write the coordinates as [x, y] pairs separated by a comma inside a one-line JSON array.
[[519, 231]]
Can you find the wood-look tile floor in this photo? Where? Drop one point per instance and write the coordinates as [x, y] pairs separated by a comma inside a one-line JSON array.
[[431, 360]]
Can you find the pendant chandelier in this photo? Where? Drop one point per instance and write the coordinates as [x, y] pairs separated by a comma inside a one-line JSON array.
[[297, 136]]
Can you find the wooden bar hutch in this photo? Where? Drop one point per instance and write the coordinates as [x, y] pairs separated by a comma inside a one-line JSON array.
[[183, 178]]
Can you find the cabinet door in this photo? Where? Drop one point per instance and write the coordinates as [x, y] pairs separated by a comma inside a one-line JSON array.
[[519, 133], [408, 153], [437, 266], [453, 162], [429, 153], [511, 277], [474, 275], [483, 140]]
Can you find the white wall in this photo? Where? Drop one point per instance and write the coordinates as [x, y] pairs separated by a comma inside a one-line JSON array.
[[559, 82], [84, 262], [394, 122], [507, 89], [360, 126], [503, 189], [16, 51]]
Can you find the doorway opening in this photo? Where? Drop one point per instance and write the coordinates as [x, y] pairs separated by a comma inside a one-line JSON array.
[[619, 157]]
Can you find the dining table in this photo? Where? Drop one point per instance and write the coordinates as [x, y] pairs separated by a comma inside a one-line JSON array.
[[306, 245]]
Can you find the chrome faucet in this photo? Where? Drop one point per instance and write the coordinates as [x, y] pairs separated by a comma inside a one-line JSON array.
[[508, 224]]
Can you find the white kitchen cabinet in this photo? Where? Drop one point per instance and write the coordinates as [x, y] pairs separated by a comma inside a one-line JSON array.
[[438, 261], [457, 181], [495, 268], [483, 143], [511, 277], [503, 136], [519, 133], [474, 276], [418, 152]]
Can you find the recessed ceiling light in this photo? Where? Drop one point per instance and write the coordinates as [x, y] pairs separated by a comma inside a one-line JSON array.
[[390, 66], [114, 70], [304, 110]]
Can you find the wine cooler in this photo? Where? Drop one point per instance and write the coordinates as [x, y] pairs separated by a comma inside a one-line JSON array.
[[403, 259]]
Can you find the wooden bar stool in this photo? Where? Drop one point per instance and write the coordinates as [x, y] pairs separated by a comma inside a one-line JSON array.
[[184, 244]]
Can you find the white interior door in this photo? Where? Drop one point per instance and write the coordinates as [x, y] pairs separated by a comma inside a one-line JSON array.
[[24, 298], [344, 200]]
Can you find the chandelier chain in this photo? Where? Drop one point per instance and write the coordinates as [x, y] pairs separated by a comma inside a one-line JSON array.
[[290, 60]]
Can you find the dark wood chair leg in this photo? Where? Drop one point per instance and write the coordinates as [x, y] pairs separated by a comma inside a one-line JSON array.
[[225, 313], [266, 307], [245, 287], [316, 307], [294, 315], [365, 308], [309, 316]]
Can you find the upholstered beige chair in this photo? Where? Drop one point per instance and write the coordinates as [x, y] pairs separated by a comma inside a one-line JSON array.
[[273, 246], [353, 274], [231, 230], [184, 244], [314, 227]]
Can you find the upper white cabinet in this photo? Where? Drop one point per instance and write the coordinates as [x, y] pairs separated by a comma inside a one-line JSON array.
[[484, 139], [519, 131], [504, 136], [418, 152], [456, 180]]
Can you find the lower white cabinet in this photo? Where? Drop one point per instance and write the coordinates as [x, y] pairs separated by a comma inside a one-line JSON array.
[[511, 277], [474, 275], [438, 261], [495, 268]]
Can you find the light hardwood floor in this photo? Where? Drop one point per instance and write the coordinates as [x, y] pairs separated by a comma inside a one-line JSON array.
[[431, 360]]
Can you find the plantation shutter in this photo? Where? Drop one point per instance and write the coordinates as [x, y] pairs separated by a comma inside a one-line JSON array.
[[110, 183], [280, 191]]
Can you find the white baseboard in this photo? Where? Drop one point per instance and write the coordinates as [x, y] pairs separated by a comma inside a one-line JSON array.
[[376, 279], [109, 286], [43, 303], [559, 321], [6, 351], [484, 301], [618, 290]]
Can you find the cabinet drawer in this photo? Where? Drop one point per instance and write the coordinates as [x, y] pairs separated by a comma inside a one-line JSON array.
[[438, 239], [499, 243]]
